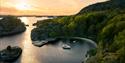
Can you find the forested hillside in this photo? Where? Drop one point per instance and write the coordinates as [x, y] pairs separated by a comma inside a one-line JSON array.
[[108, 5], [101, 22], [10, 25]]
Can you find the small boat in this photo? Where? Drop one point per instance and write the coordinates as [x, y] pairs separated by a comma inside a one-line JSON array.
[[66, 46], [74, 41]]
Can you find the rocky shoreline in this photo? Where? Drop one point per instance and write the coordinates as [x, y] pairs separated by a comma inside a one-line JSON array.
[[10, 54]]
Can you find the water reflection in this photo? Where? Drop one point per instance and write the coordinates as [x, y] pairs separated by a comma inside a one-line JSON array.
[[25, 20], [28, 55], [51, 53], [28, 49]]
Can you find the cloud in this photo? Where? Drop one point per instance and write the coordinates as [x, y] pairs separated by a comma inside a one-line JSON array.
[[44, 7]]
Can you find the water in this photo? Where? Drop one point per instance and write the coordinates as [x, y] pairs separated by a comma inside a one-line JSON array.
[[51, 53]]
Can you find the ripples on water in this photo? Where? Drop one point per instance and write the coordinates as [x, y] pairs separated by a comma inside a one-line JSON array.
[[52, 53]]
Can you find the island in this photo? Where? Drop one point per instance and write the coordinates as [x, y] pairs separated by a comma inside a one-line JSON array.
[[11, 25], [10, 54]]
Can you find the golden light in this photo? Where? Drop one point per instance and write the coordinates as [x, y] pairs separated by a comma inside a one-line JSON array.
[[24, 19], [23, 6]]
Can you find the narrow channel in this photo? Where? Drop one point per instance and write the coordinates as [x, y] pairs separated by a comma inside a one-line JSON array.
[[51, 53]]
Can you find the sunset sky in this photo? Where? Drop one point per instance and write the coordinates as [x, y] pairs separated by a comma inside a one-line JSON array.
[[43, 7]]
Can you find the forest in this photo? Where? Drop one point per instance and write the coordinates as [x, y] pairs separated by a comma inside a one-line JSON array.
[[11, 25], [102, 22]]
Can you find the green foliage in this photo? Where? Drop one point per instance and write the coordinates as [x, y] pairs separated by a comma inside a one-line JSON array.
[[92, 52], [108, 5], [9, 22], [11, 25], [106, 26]]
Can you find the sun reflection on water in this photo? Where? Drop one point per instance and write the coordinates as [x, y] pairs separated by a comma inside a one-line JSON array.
[[28, 49], [24, 19]]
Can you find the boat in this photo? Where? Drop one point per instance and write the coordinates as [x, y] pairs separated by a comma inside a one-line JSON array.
[[66, 46], [74, 41]]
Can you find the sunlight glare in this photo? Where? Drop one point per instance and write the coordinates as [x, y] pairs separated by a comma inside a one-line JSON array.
[[24, 19], [23, 6]]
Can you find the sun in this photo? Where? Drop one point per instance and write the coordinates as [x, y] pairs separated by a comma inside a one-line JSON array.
[[23, 6]]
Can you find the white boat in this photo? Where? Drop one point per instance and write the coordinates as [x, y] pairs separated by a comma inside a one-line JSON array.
[[74, 41], [66, 46]]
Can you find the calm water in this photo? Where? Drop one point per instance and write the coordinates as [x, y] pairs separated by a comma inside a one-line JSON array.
[[51, 53]]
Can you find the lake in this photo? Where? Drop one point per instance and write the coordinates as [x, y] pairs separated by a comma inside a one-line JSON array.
[[51, 53]]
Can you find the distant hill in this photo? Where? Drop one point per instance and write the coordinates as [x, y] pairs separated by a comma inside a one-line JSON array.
[[108, 5]]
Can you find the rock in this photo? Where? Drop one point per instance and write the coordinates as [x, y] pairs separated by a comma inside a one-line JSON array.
[[66, 46], [34, 24], [10, 54], [27, 25], [39, 43], [44, 42], [51, 40]]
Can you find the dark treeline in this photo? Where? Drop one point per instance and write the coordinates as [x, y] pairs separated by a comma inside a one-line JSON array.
[[10, 25], [108, 5]]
